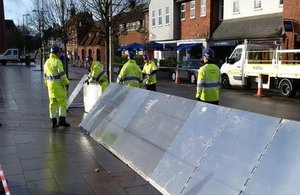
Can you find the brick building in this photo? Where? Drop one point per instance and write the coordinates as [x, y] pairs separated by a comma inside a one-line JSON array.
[[10, 36], [93, 44], [13, 37], [133, 27], [2, 27], [86, 38], [291, 24], [198, 20], [78, 27]]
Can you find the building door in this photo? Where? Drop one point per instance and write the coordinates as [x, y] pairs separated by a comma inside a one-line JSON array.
[[98, 55]]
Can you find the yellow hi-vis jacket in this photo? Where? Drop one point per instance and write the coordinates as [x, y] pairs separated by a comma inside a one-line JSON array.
[[55, 77], [149, 69], [98, 75], [130, 74], [209, 83]]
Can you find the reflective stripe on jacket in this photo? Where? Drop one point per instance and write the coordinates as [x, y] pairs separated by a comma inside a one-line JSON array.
[[130, 74], [209, 83], [148, 70], [97, 74], [55, 77]]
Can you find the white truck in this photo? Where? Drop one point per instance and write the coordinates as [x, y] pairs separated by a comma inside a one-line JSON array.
[[279, 69], [13, 55]]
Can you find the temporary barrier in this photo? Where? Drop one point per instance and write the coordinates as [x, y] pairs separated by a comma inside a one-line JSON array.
[[76, 91], [4, 182], [91, 94], [260, 86], [177, 80], [183, 146]]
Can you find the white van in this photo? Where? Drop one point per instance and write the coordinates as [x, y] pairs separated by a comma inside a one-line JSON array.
[[280, 69], [13, 55], [233, 69]]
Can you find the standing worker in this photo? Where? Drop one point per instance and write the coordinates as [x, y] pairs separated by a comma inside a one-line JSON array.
[[97, 74], [149, 70], [209, 80], [57, 83], [130, 74]]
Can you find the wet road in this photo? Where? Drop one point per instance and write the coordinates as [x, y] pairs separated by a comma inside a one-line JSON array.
[[244, 99]]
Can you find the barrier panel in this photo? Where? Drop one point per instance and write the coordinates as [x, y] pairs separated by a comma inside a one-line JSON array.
[[91, 94], [182, 146], [76, 91]]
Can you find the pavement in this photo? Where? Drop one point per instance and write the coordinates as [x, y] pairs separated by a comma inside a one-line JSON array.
[[37, 160]]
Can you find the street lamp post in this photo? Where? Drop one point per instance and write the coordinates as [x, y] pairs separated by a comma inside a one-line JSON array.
[[40, 31], [24, 33], [42, 34], [41, 26]]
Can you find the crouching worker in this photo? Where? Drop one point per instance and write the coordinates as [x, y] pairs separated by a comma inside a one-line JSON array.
[[97, 74], [57, 83]]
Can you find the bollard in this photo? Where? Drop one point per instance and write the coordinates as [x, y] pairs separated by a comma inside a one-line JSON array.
[[177, 80], [260, 86]]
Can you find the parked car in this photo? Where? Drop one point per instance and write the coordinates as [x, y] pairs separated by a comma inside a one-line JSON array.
[[187, 70]]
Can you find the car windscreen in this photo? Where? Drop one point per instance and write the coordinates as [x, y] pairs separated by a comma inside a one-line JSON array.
[[195, 64]]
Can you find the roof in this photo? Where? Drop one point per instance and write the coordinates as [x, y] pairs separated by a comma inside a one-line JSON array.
[[10, 25], [133, 15], [265, 26], [93, 36]]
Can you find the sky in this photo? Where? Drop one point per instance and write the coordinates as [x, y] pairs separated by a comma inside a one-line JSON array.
[[14, 9]]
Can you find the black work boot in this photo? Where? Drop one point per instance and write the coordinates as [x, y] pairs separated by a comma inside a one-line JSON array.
[[54, 123], [62, 122]]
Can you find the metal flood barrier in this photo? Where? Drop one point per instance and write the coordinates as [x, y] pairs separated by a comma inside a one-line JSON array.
[[182, 146], [76, 91]]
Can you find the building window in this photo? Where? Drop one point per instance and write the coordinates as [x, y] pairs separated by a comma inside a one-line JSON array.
[[182, 11], [257, 4], [153, 18], [236, 6], [121, 28], [167, 16], [192, 9], [133, 26], [281, 2], [203, 8], [159, 17]]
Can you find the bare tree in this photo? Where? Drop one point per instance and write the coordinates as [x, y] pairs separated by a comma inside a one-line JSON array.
[[58, 12], [50, 17], [108, 13]]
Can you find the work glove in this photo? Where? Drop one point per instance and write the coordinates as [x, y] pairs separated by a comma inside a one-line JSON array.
[[86, 81]]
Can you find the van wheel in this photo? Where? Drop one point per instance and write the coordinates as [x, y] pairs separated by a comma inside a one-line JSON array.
[[193, 79], [247, 84], [225, 82], [3, 62], [173, 76], [286, 89]]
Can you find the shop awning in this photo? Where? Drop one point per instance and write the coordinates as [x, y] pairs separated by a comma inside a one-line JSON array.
[[223, 43], [132, 47], [187, 46], [152, 45], [265, 26]]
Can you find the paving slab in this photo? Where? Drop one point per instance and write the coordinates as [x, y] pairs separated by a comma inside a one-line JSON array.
[[38, 160]]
